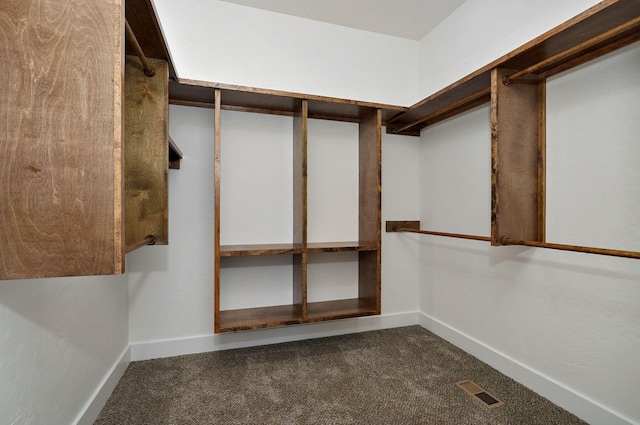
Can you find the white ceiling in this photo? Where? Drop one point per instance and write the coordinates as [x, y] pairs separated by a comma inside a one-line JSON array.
[[411, 19]]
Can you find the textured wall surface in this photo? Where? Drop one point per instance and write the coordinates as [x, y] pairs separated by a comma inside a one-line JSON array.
[[58, 340], [226, 43]]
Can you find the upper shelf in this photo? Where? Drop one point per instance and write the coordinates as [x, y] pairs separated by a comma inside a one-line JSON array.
[[609, 25], [601, 29], [142, 18], [250, 99]]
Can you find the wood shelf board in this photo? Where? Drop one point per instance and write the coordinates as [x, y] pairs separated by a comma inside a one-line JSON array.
[[249, 99], [142, 19], [439, 101], [341, 246], [259, 249], [257, 318], [594, 21], [276, 249], [339, 309], [175, 155], [267, 317], [393, 226]]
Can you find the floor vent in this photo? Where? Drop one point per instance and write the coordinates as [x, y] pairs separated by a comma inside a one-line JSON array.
[[477, 391]]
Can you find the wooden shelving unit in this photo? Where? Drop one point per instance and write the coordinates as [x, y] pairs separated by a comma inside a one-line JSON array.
[[599, 30], [515, 86], [301, 108], [64, 209]]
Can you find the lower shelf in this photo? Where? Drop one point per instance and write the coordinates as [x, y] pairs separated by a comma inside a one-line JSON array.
[[256, 318], [339, 309], [268, 317]]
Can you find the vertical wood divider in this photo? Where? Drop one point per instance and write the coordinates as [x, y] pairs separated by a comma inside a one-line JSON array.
[[300, 128], [369, 227], [146, 152], [542, 160], [517, 158], [216, 208], [118, 139]]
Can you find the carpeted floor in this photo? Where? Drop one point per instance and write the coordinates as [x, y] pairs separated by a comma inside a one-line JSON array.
[[394, 376]]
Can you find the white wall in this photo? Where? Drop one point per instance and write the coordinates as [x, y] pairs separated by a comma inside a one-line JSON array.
[[481, 31], [218, 41], [59, 339], [571, 319]]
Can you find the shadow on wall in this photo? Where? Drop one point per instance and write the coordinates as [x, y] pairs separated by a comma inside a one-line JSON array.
[[78, 311]]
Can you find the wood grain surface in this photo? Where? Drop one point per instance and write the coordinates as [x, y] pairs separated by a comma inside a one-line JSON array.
[[517, 158], [146, 152], [60, 134]]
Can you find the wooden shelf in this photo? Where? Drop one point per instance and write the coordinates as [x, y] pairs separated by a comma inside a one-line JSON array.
[[515, 84], [267, 317], [276, 249], [259, 249], [142, 19], [250, 99], [599, 30], [175, 155], [341, 246], [339, 309], [260, 317]]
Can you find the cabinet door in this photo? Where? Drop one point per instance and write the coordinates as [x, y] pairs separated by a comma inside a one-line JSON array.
[[60, 138]]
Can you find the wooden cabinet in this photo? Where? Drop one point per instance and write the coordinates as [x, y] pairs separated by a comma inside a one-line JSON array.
[[62, 137]]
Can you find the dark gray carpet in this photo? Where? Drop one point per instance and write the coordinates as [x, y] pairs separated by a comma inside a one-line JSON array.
[[394, 376]]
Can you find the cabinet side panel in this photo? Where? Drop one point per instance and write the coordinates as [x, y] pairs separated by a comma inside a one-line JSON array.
[[300, 285], [60, 91], [146, 151], [516, 153], [370, 184], [370, 159], [300, 129]]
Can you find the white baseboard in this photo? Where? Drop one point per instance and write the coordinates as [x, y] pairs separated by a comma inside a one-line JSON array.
[[226, 341], [585, 409], [99, 398]]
